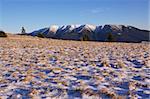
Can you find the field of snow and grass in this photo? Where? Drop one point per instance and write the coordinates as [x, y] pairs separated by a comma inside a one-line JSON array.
[[32, 67]]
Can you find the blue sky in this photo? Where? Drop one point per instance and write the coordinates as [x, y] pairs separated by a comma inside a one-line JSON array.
[[36, 14]]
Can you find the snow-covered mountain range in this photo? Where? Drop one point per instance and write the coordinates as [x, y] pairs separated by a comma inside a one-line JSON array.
[[95, 33]]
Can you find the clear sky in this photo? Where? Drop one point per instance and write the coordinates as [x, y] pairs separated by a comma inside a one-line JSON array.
[[36, 14]]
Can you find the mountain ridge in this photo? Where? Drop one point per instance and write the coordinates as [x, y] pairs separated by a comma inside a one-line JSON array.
[[121, 33]]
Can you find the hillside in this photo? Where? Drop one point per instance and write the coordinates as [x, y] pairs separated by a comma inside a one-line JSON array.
[[119, 33]]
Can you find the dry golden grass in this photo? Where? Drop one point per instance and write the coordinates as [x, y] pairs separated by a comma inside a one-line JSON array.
[[64, 63]]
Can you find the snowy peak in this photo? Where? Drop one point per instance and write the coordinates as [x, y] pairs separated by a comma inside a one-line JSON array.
[[76, 28], [89, 27], [112, 27], [68, 28], [53, 28]]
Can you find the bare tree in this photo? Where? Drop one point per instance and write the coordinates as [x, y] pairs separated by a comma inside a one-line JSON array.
[[23, 31]]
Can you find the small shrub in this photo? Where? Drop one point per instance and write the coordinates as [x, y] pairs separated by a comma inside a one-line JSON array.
[[85, 38], [40, 35], [110, 37], [3, 34]]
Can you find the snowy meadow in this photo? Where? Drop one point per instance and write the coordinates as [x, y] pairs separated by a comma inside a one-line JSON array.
[[32, 67]]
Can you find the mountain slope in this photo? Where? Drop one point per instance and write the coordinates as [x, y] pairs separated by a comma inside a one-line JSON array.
[[120, 33]]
